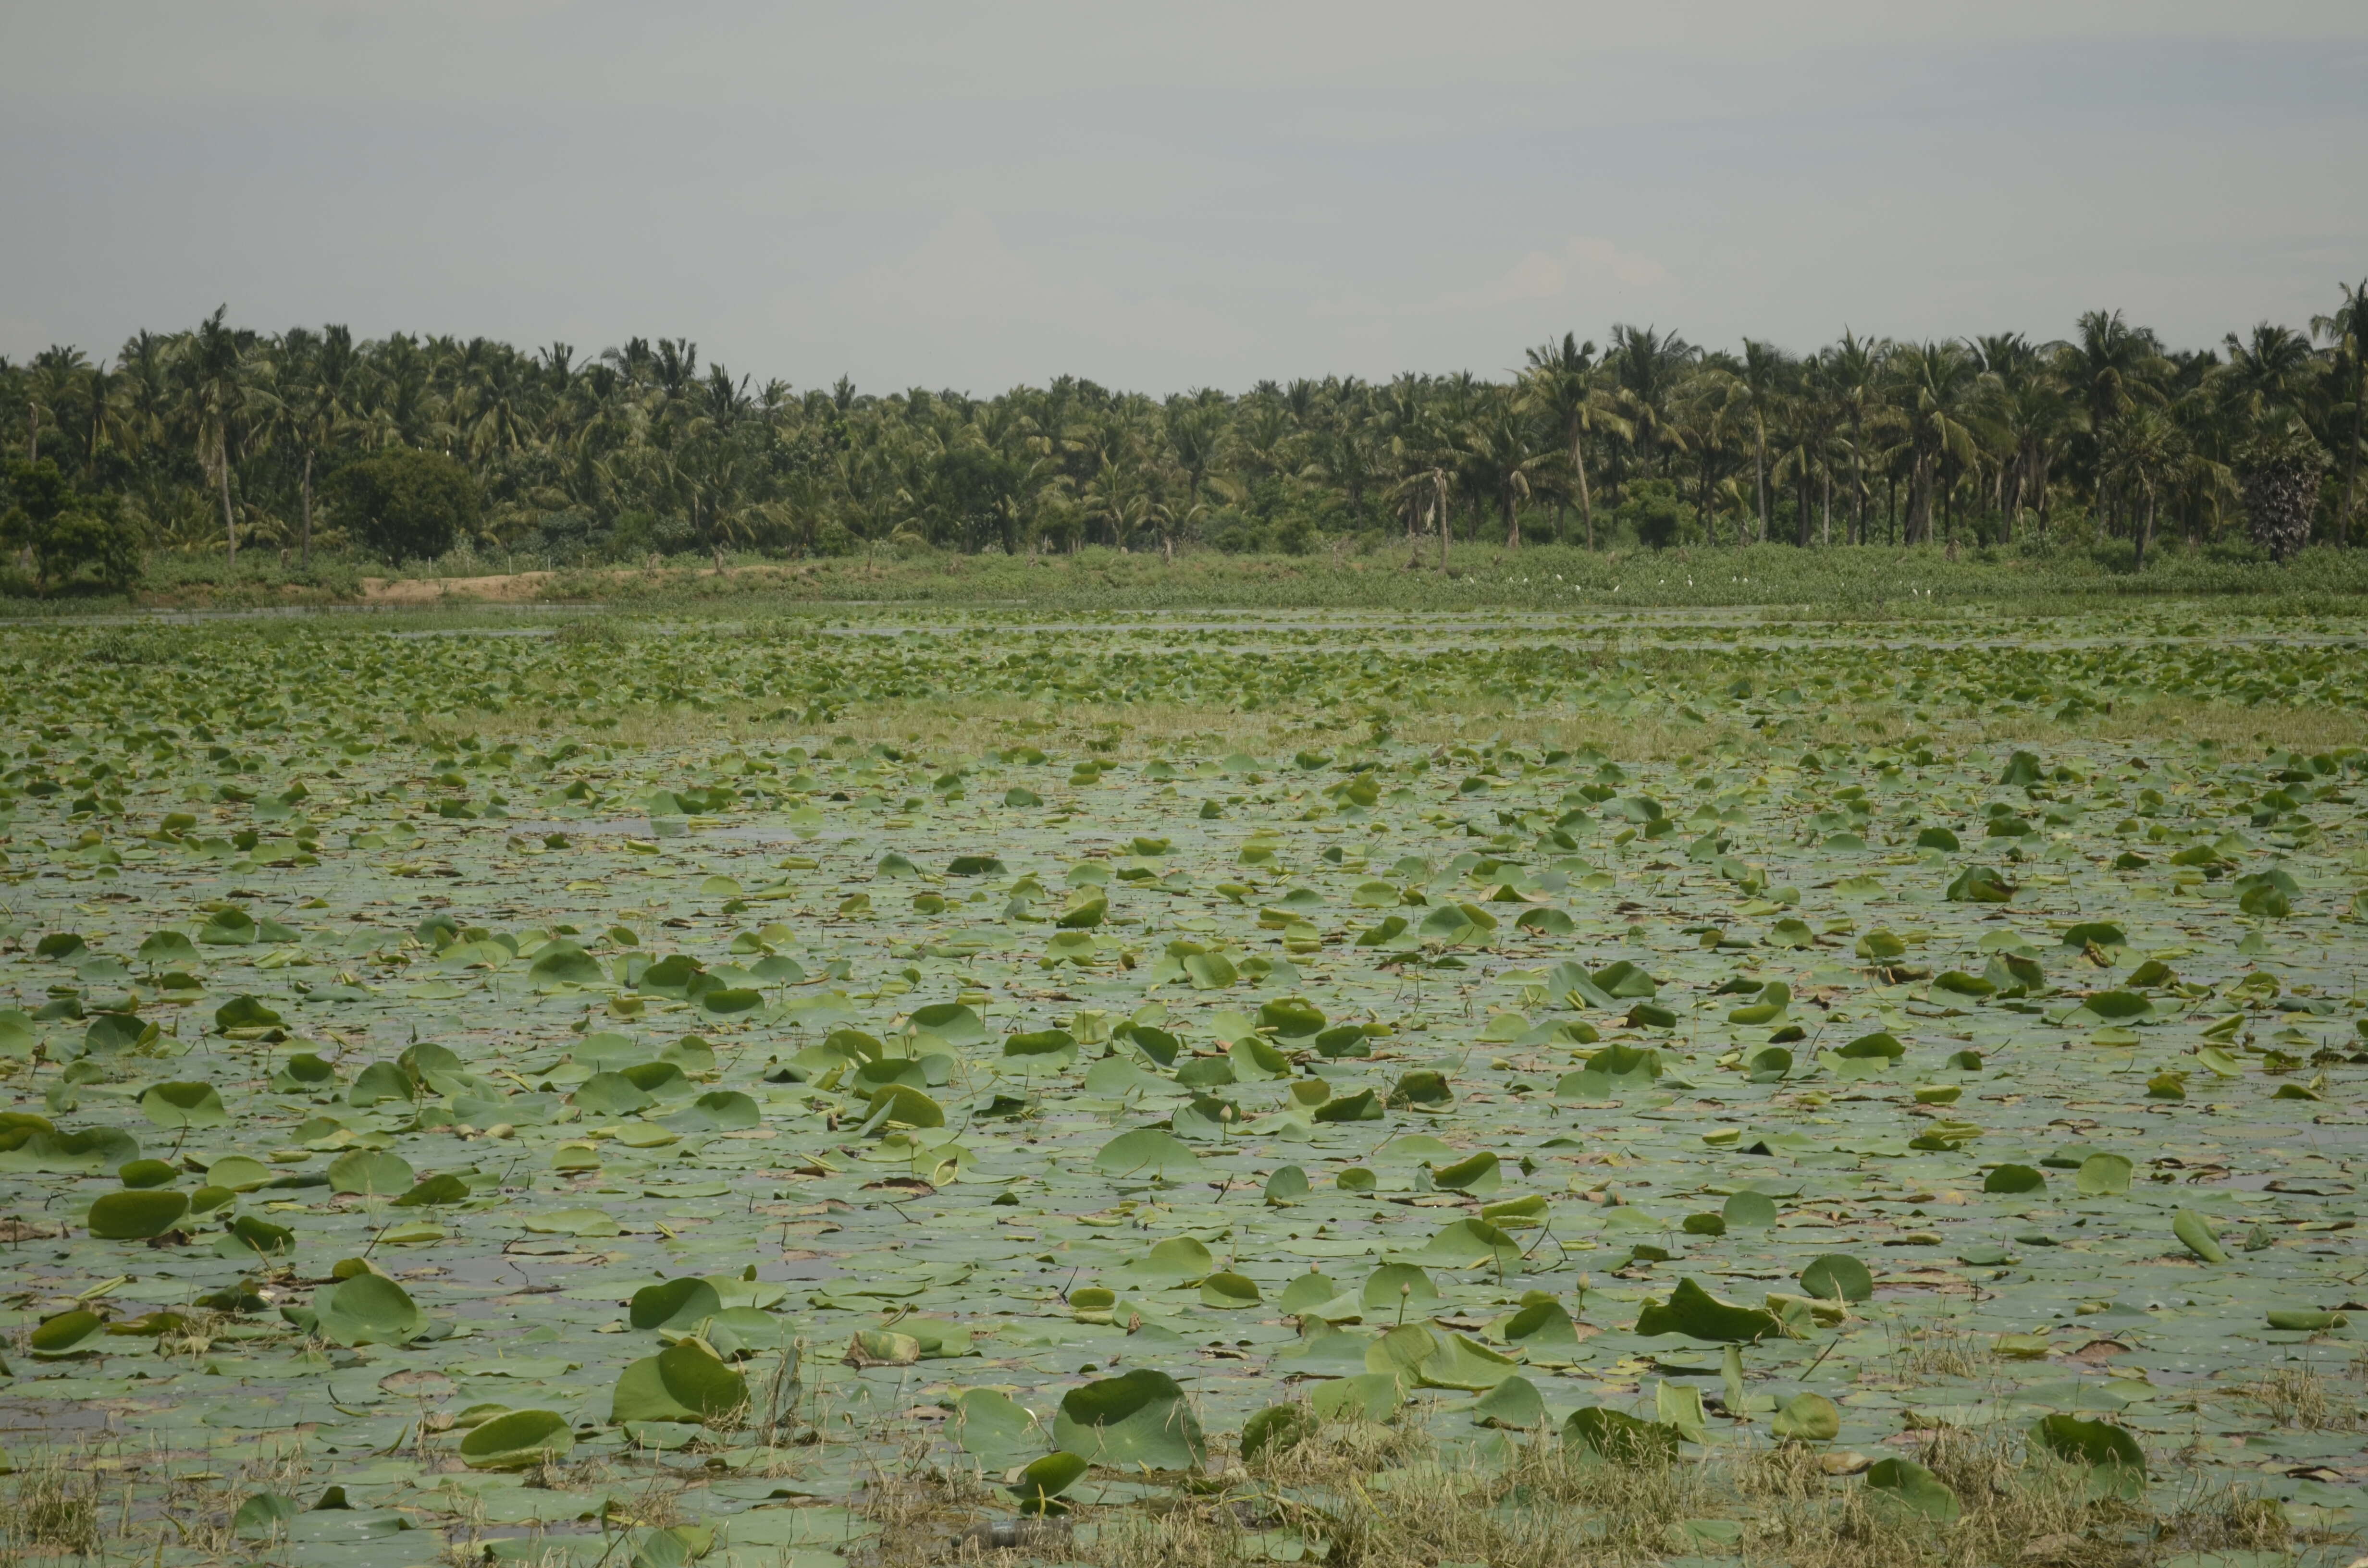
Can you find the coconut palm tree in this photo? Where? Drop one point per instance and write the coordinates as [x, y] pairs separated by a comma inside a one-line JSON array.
[[2144, 450], [1852, 371], [1647, 367], [2268, 372], [310, 407], [1766, 379], [55, 381], [1932, 390], [145, 363], [2108, 366], [1505, 460], [2346, 333], [214, 375], [1711, 418], [1564, 384], [104, 419]]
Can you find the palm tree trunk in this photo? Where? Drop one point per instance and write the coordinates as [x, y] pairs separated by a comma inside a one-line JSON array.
[[1586, 505], [1512, 519], [1702, 502], [1760, 474], [230, 519], [306, 553], [1858, 478], [2351, 472], [1826, 521]]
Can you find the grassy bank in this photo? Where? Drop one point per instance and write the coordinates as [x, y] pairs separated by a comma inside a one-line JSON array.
[[1871, 582]]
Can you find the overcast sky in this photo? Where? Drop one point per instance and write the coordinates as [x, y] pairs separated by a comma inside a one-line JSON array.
[[1161, 196]]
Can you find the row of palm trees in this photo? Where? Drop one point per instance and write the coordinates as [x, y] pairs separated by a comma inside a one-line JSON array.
[[221, 435]]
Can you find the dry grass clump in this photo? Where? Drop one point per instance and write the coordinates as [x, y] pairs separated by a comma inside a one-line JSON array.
[[928, 1514], [1942, 1351], [54, 1510], [1359, 1495], [2300, 1397]]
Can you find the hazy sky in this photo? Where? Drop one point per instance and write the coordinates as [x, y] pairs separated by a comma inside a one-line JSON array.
[[1162, 195]]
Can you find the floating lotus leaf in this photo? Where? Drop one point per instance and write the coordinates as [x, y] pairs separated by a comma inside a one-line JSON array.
[[1808, 1417], [371, 1172], [519, 1440], [184, 1105], [1277, 1430], [1146, 1151], [1837, 1274], [1140, 1419], [995, 1429], [1910, 1488], [135, 1216], [1620, 1437]]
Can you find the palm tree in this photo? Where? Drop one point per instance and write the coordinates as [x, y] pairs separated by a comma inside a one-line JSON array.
[[104, 420], [495, 409], [2111, 366], [1852, 371], [1565, 386], [1932, 388], [1345, 451], [310, 407], [1766, 378], [2029, 417], [2269, 373], [2346, 332], [2266, 387], [1709, 411], [213, 375], [1817, 415], [1647, 367], [1196, 431], [1505, 460], [56, 379], [2108, 367], [2144, 450], [145, 362]]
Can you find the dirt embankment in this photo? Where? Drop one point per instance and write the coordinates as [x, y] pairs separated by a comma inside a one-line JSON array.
[[508, 587], [518, 587]]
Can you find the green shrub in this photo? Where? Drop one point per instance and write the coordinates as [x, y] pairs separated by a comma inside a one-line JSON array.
[[406, 505]]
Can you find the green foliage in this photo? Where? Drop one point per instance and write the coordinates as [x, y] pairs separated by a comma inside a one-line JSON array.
[[1651, 512], [406, 505], [1919, 454], [65, 530]]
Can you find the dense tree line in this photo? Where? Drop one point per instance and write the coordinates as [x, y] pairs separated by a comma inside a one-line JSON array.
[[221, 438]]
